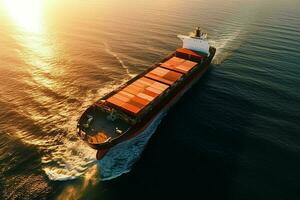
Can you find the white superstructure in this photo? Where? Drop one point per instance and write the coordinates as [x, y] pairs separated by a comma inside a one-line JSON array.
[[196, 43]]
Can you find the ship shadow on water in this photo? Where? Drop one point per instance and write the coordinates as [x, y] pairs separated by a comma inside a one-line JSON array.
[[191, 156]]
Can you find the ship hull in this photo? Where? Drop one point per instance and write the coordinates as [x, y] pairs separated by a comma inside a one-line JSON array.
[[142, 126]]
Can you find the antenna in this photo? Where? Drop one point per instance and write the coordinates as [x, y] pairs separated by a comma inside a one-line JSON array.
[[198, 32]]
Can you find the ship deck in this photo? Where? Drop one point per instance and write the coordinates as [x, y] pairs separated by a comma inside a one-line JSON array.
[[103, 129]]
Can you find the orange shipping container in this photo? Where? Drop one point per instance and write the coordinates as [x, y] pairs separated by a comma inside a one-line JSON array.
[[179, 65], [136, 96], [164, 75]]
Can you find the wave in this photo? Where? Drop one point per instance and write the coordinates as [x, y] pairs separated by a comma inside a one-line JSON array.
[[124, 66], [68, 157], [225, 46], [70, 160], [64, 155], [120, 158]]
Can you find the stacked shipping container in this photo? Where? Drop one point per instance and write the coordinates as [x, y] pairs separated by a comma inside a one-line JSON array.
[[138, 95]]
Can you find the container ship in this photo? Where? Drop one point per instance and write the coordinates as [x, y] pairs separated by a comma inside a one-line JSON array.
[[127, 111]]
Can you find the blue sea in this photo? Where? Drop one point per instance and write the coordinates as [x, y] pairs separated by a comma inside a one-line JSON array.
[[233, 135]]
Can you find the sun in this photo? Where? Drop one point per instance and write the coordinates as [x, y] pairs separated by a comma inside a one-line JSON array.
[[27, 14]]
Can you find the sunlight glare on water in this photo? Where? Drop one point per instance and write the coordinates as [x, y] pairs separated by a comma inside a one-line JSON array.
[[27, 14]]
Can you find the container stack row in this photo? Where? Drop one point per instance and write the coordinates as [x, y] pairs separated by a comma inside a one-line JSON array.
[[139, 94]]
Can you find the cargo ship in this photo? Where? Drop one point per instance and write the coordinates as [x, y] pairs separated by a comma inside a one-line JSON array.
[[127, 111]]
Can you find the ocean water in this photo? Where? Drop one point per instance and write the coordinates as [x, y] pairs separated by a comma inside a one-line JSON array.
[[234, 135]]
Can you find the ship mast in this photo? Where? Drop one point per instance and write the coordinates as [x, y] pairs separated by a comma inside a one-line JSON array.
[[198, 32]]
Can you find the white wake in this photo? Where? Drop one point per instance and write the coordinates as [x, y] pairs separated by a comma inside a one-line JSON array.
[[225, 46], [120, 158], [115, 55], [64, 155], [73, 159], [69, 161]]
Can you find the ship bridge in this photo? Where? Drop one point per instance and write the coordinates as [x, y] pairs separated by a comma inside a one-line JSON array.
[[197, 42]]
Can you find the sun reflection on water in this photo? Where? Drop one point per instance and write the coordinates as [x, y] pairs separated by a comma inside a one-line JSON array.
[[27, 14], [38, 50]]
